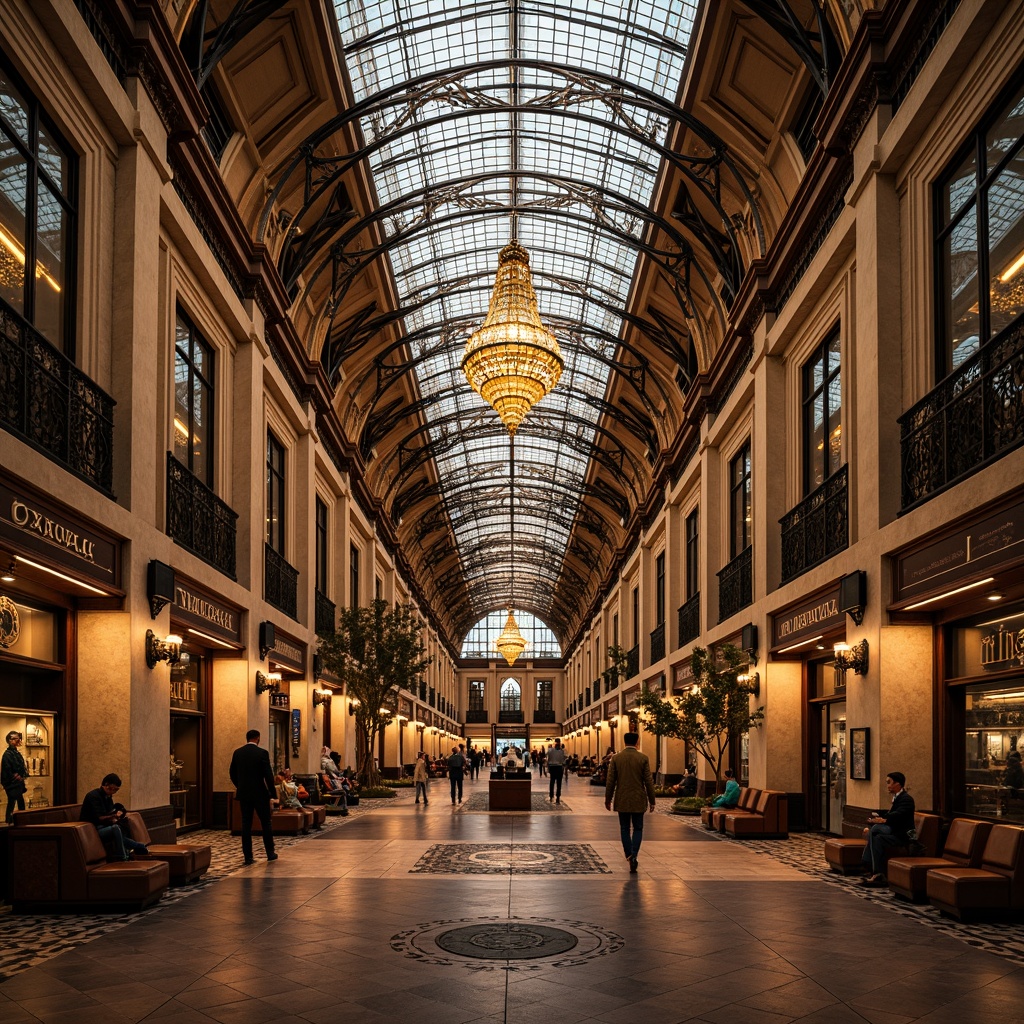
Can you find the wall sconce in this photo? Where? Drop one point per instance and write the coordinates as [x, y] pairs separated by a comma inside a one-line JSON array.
[[268, 639], [353, 703], [613, 724], [748, 641], [318, 667], [168, 649], [847, 657], [322, 697], [751, 681], [271, 682]]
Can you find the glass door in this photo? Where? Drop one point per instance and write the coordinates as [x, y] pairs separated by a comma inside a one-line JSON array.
[[832, 766]]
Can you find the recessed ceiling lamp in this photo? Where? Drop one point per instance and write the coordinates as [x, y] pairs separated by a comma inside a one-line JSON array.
[[513, 360], [8, 576]]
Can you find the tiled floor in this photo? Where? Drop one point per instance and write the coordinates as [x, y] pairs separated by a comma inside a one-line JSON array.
[[395, 914]]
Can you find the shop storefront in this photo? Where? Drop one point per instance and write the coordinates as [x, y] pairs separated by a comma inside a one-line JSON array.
[[52, 562], [807, 631], [969, 584], [287, 660], [210, 628]]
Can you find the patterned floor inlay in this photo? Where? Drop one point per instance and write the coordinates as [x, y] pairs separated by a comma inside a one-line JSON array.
[[499, 944], [804, 851], [479, 803], [510, 859]]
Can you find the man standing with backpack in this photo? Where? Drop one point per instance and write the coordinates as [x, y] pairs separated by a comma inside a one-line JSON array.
[[456, 772]]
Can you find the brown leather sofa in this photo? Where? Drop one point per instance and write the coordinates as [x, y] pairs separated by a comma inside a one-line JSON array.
[[284, 821], [186, 862], [63, 867], [712, 817], [964, 847], [769, 818], [844, 855], [993, 890]]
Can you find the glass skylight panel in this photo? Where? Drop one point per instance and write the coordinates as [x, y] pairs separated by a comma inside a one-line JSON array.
[[446, 259]]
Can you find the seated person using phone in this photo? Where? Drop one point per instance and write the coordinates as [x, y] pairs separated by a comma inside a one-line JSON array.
[[888, 829], [99, 808]]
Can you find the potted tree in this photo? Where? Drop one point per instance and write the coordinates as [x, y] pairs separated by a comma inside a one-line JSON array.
[[375, 651]]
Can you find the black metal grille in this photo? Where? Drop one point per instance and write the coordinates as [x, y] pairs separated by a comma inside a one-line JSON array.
[[817, 528], [735, 584], [325, 611], [476, 717], [657, 643], [198, 520], [542, 717], [973, 417], [280, 582], [597, 688], [689, 620], [633, 662], [514, 717], [49, 403]]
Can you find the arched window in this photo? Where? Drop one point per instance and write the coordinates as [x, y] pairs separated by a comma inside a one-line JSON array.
[[511, 696], [479, 642]]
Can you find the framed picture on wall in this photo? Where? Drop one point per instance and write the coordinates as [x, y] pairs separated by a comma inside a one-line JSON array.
[[860, 753]]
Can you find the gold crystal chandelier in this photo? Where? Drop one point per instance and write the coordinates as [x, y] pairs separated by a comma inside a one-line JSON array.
[[511, 643], [513, 360]]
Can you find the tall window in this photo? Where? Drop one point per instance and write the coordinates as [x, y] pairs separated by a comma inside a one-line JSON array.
[[193, 400], [636, 616], [823, 413], [511, 696], [353, 577], [659, 589], [692, 553], [321, 545], [615, 630], [739, 502], [37, 215], [545, 695], [979, 235], [275, 493], [477, 700], [378, 588]]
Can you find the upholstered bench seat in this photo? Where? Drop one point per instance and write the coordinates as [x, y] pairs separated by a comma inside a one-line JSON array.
[[845, 855], [185, 862], [908, 876], [996, 889]]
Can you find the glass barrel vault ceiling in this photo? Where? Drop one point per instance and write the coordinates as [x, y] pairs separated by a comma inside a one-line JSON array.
[[540, 172]]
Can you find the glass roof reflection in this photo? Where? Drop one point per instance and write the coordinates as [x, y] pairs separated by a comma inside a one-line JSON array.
[[569, 174]]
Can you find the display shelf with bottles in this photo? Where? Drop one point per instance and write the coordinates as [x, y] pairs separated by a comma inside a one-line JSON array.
[[36, 731]]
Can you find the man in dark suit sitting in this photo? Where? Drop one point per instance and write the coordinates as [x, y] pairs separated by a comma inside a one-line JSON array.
[[253, 780], [887, 830]]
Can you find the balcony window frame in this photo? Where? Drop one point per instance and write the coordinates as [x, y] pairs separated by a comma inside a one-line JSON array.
[[67, 198], [321, 516], [187, 358], [830, 381], [740, 497], [276, 494], [692, 534]]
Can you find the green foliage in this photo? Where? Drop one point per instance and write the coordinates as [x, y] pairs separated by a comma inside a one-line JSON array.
[[718, 706], [689, 805], [375, 652], [660, 719], [377, 793], [618, 659]]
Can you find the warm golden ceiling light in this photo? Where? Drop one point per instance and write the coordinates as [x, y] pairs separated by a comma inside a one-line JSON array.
[[511, 642], [513, 360]]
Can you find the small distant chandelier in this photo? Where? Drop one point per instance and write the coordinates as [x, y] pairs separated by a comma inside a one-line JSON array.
[[513, 360], [511, 643]]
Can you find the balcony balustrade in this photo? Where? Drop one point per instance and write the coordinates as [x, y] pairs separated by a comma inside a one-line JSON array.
[[544, 716], [325, 613], [973, 417], [474, 717], [48, 402], [198, 520], [280, 582], [657, 639], [817, 528], [736, 584], [633, 662], [689, 620]]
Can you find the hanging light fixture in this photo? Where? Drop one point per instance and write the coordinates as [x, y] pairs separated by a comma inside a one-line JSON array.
[[513, 360], [511, 643]]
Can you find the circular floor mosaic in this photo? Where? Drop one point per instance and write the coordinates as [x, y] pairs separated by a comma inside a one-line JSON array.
[[506, 944]]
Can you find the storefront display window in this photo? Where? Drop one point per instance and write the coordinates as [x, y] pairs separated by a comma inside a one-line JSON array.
[[187, 722], [993, 775], [37, 732]]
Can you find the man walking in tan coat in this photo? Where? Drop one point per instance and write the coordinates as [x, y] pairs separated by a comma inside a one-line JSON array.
[[631, 785]]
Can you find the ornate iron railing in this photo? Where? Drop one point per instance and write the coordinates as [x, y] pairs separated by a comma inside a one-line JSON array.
[[657, 643], [736, 584], [544, 717], [198, 520], [50, 404], [280, 582], [325, 613], [816, 528], [633, 662], [975, 416], [596, 687], [476, 718], [689, 620]]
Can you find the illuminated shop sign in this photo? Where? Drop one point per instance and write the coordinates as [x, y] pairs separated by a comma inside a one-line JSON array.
[[195, 606], [1003, 648], [820, 614]]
